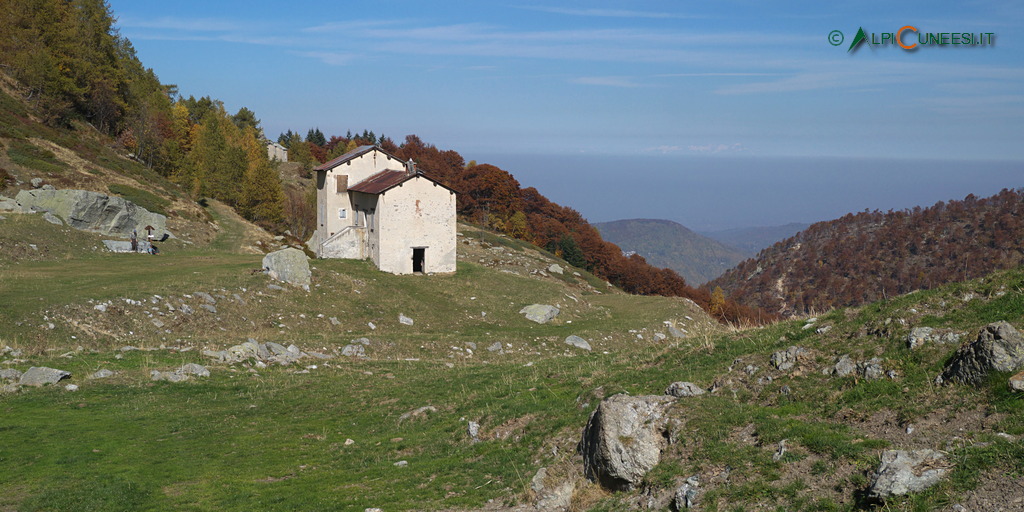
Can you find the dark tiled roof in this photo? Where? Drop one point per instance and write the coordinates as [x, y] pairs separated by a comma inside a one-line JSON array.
[[357, 152], [381, 182]]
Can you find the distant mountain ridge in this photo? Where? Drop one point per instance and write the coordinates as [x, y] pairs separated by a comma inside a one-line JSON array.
[[870, 256], [750, 241], [668, 244]]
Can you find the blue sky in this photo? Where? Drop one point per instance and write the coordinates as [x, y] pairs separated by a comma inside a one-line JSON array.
[[743, 79]]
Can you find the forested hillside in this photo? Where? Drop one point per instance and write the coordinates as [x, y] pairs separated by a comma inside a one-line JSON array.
[[869, 256], [68, 63], [668, 244]]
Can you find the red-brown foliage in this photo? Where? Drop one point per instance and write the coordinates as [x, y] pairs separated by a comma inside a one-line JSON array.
[[869, 256]]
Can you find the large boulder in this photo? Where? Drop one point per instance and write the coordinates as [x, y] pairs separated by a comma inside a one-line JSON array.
[[999, 347], [540, 313], [623, 439], [289, 265], [41, 376], [92, 211], [903, 472]]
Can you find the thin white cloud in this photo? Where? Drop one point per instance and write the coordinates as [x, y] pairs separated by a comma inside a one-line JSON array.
[[665, 150], [183, 24], [735, 147], [330, 58], [608, 81], [609, 13]]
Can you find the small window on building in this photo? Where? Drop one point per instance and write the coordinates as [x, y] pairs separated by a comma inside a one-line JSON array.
[[342, 183], [342, 213]]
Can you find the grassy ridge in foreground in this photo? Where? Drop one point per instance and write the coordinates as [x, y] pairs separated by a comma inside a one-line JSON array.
[[275, 438]]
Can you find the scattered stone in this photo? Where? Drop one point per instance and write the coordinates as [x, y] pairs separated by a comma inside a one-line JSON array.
[[36, 182], [823, 329], [209, 307], [555, 268], [10, 374], [52, 219], [404, 320], [401, 464], [922, 335], [289, 265], [71, 387], [676, 332], [354, 350], [205, 296], [785, 360], [101, 374], [537, 482], [683, 389], [1017, 382], [660, 336], [540, 313], [157, 322], [999, 347], [238, 298], [9, 205], [844, 367], [41, 375], [334, 321], [194, 369], [372, 326], [418, 413], [157, 375], [349, 442], [10, 388], [903, 472], [557, 499], [473, 430], [871, 369], [780, 452], [577, 342], [623, 439], [686, 495], [275, 288], [186, 309], [495, 347]]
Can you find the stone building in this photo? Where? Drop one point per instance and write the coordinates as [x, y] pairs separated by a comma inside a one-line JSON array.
[[276, 151], [372, 205]]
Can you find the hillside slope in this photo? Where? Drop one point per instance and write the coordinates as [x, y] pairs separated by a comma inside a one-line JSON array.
[[751, 240], [668, 244], [869, 256], [463, 408]]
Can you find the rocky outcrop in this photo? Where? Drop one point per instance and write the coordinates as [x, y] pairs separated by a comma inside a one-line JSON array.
[[903, 472], [289, 265], [92, 211], [623, 439], [999, 347]]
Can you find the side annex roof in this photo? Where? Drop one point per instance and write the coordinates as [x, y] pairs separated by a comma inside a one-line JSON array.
[[388, 179]]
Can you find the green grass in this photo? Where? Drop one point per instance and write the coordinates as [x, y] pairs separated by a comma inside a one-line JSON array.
[[143, 198], [33, 157], [274, 439]]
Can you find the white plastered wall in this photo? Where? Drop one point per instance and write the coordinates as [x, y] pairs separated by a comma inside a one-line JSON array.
[[417, 213]]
